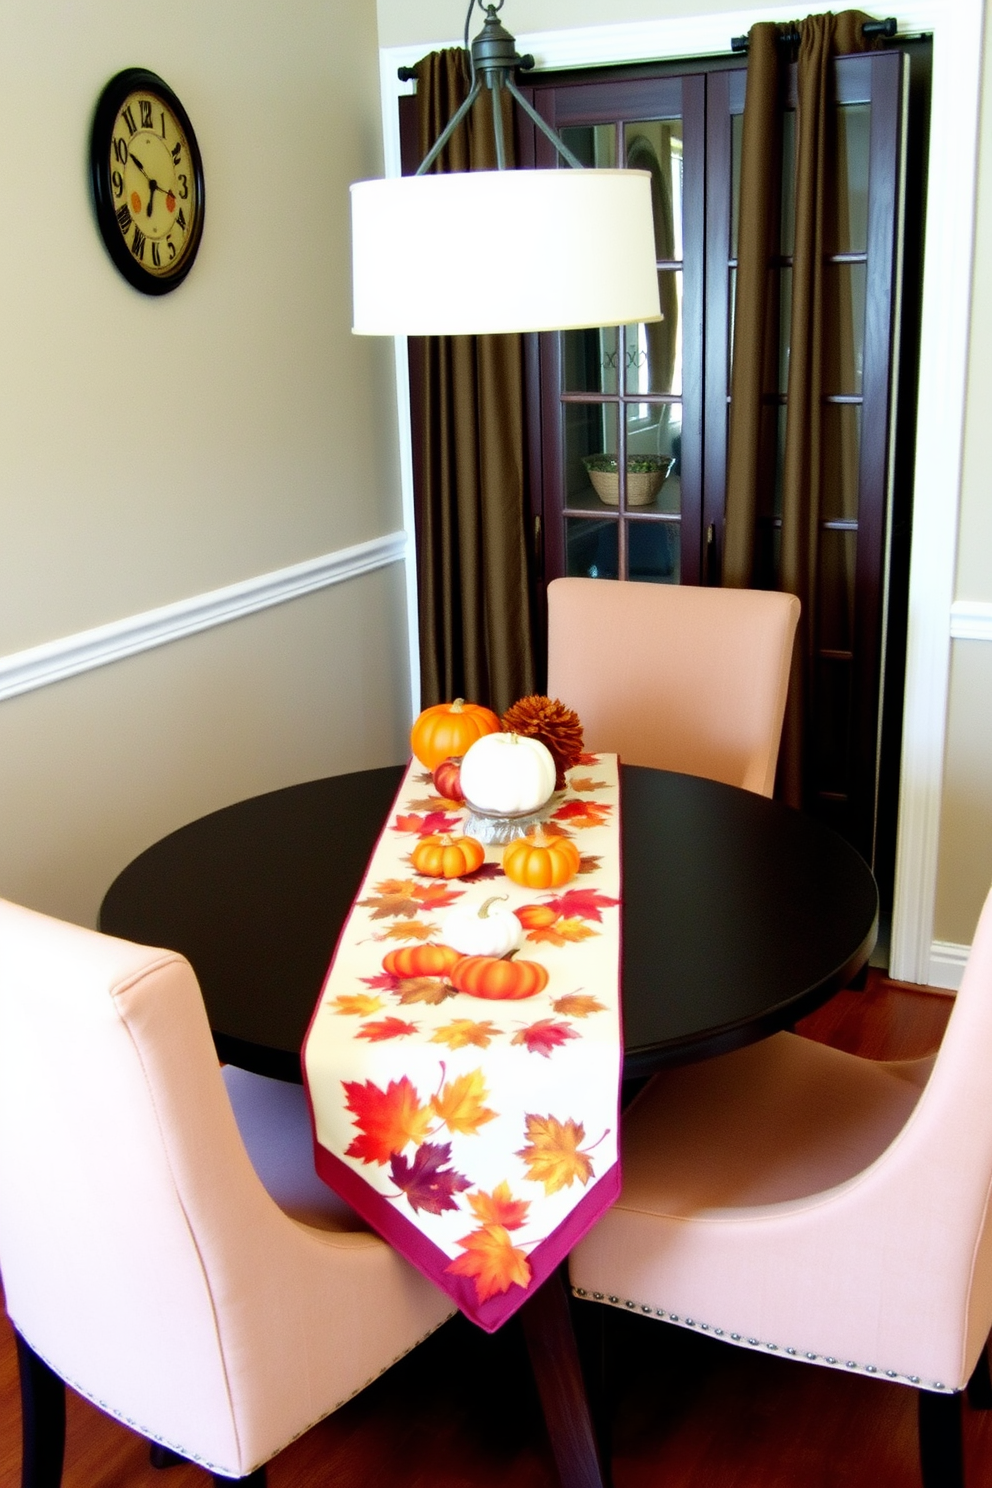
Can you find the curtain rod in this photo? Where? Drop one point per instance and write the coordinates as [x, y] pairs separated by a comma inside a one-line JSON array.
[[870, 28]]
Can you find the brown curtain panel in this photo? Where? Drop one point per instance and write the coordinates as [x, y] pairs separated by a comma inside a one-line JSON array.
[[473, 561], [752, 555]]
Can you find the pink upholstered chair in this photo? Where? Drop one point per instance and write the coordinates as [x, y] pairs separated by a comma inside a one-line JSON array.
[[143, 1260], [675, 676], [792, 1198]]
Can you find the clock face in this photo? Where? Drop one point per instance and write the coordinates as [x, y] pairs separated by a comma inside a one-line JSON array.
[[147, 181]]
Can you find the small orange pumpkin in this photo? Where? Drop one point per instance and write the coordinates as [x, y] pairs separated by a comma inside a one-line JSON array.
[[448, 780], [536, 916], [428, 959], [446, 730], [498, 980], [539, 862], [447, 857]]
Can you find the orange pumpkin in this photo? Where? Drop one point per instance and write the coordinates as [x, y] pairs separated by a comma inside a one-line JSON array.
[[448, 780], [447, 857], [536, 916], [421, 960], [446, 730], [498, 980], [539, 862]]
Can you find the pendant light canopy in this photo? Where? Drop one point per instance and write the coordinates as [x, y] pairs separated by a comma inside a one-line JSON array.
[[476, 252]]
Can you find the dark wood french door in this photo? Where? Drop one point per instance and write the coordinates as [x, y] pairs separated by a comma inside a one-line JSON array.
[[629, 425]]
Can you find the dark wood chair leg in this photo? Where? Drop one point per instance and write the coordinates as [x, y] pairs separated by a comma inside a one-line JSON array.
[[257, 1479], [554, 1358], [980, 1384], [42, 1420], [161, 1457], [941, 1446]]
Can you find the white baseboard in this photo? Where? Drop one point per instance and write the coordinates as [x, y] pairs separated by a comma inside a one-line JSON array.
[[947, 963], [971, 620], [23, 671]]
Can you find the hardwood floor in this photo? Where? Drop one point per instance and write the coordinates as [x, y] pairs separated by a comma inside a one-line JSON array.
[[692, 1413]]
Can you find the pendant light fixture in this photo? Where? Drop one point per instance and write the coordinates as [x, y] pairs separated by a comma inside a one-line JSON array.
[[476, 252]]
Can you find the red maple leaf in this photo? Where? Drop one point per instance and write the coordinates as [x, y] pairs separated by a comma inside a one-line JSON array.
[[543, 1036], [384, 982], [437, 822], [583, 813], [587, 759], [385, 1028], [585, 903], [386, 1119], [411, 822], [427, 1183]]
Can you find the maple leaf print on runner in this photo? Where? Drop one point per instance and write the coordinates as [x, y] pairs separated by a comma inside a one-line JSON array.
[[412, 931], [398, 897], [386, 1119], [543, 1036], [578, 1005], [499, 1207], [561, 932], [492, 1261], [385, 1028], [552, 1153], [460, 1104], [586, 783], [588, 863], [431, 990], [583, 813], [465, 1031], [359, 1005], [427, 1183], [426, 826], [586, 903]]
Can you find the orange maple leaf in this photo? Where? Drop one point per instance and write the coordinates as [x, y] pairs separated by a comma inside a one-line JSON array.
[[492, 1260], [404, 887], [385, 1028], [436, 896], [413, 930], [561, 931], [460, 1104], [464, 1031], [360, 1005], [499, 1207], [578, 1005], [585, 783], [553, 1155], [386, 1119]]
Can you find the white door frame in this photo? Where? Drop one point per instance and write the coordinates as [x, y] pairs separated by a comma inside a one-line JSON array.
[[957, 27]]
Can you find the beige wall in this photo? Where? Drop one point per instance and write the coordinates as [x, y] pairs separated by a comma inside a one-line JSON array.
[[155, 448], [965, 861], [965, 851]]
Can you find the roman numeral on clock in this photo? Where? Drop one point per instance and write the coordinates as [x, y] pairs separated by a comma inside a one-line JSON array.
[[138, 243]]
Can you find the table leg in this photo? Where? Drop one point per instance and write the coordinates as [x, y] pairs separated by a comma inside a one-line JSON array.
[[554, 1358]]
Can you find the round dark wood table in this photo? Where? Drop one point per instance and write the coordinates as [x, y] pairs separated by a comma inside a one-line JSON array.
[[739, 914]]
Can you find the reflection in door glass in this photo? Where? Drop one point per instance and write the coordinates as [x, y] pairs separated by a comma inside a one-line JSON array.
[[591, 548], [653, 552], [590, 430], [653, 352]]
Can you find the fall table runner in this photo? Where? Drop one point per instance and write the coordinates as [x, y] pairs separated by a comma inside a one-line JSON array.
[[478, 1137]]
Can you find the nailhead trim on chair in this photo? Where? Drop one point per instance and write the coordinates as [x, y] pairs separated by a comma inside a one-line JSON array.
[[755, 1343]]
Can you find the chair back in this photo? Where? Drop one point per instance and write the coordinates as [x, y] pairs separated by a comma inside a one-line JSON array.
[[130, 1215], [928, 1195], [674, 676]]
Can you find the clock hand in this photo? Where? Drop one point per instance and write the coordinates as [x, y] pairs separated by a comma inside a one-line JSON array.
[[154, 186], [139, 165]]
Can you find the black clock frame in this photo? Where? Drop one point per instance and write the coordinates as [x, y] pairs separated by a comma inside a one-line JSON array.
[[131, 80]]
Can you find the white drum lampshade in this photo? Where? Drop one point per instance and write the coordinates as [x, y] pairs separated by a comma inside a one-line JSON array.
[[476, 252]]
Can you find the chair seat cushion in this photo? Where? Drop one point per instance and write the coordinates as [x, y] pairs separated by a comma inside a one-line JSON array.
[[274, 1123], [776, 1121]]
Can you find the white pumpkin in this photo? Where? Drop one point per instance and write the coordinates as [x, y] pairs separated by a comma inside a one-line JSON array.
[[507, 774], [486, 930]]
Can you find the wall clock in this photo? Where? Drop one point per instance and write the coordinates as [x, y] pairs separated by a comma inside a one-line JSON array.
[[147, 180]]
